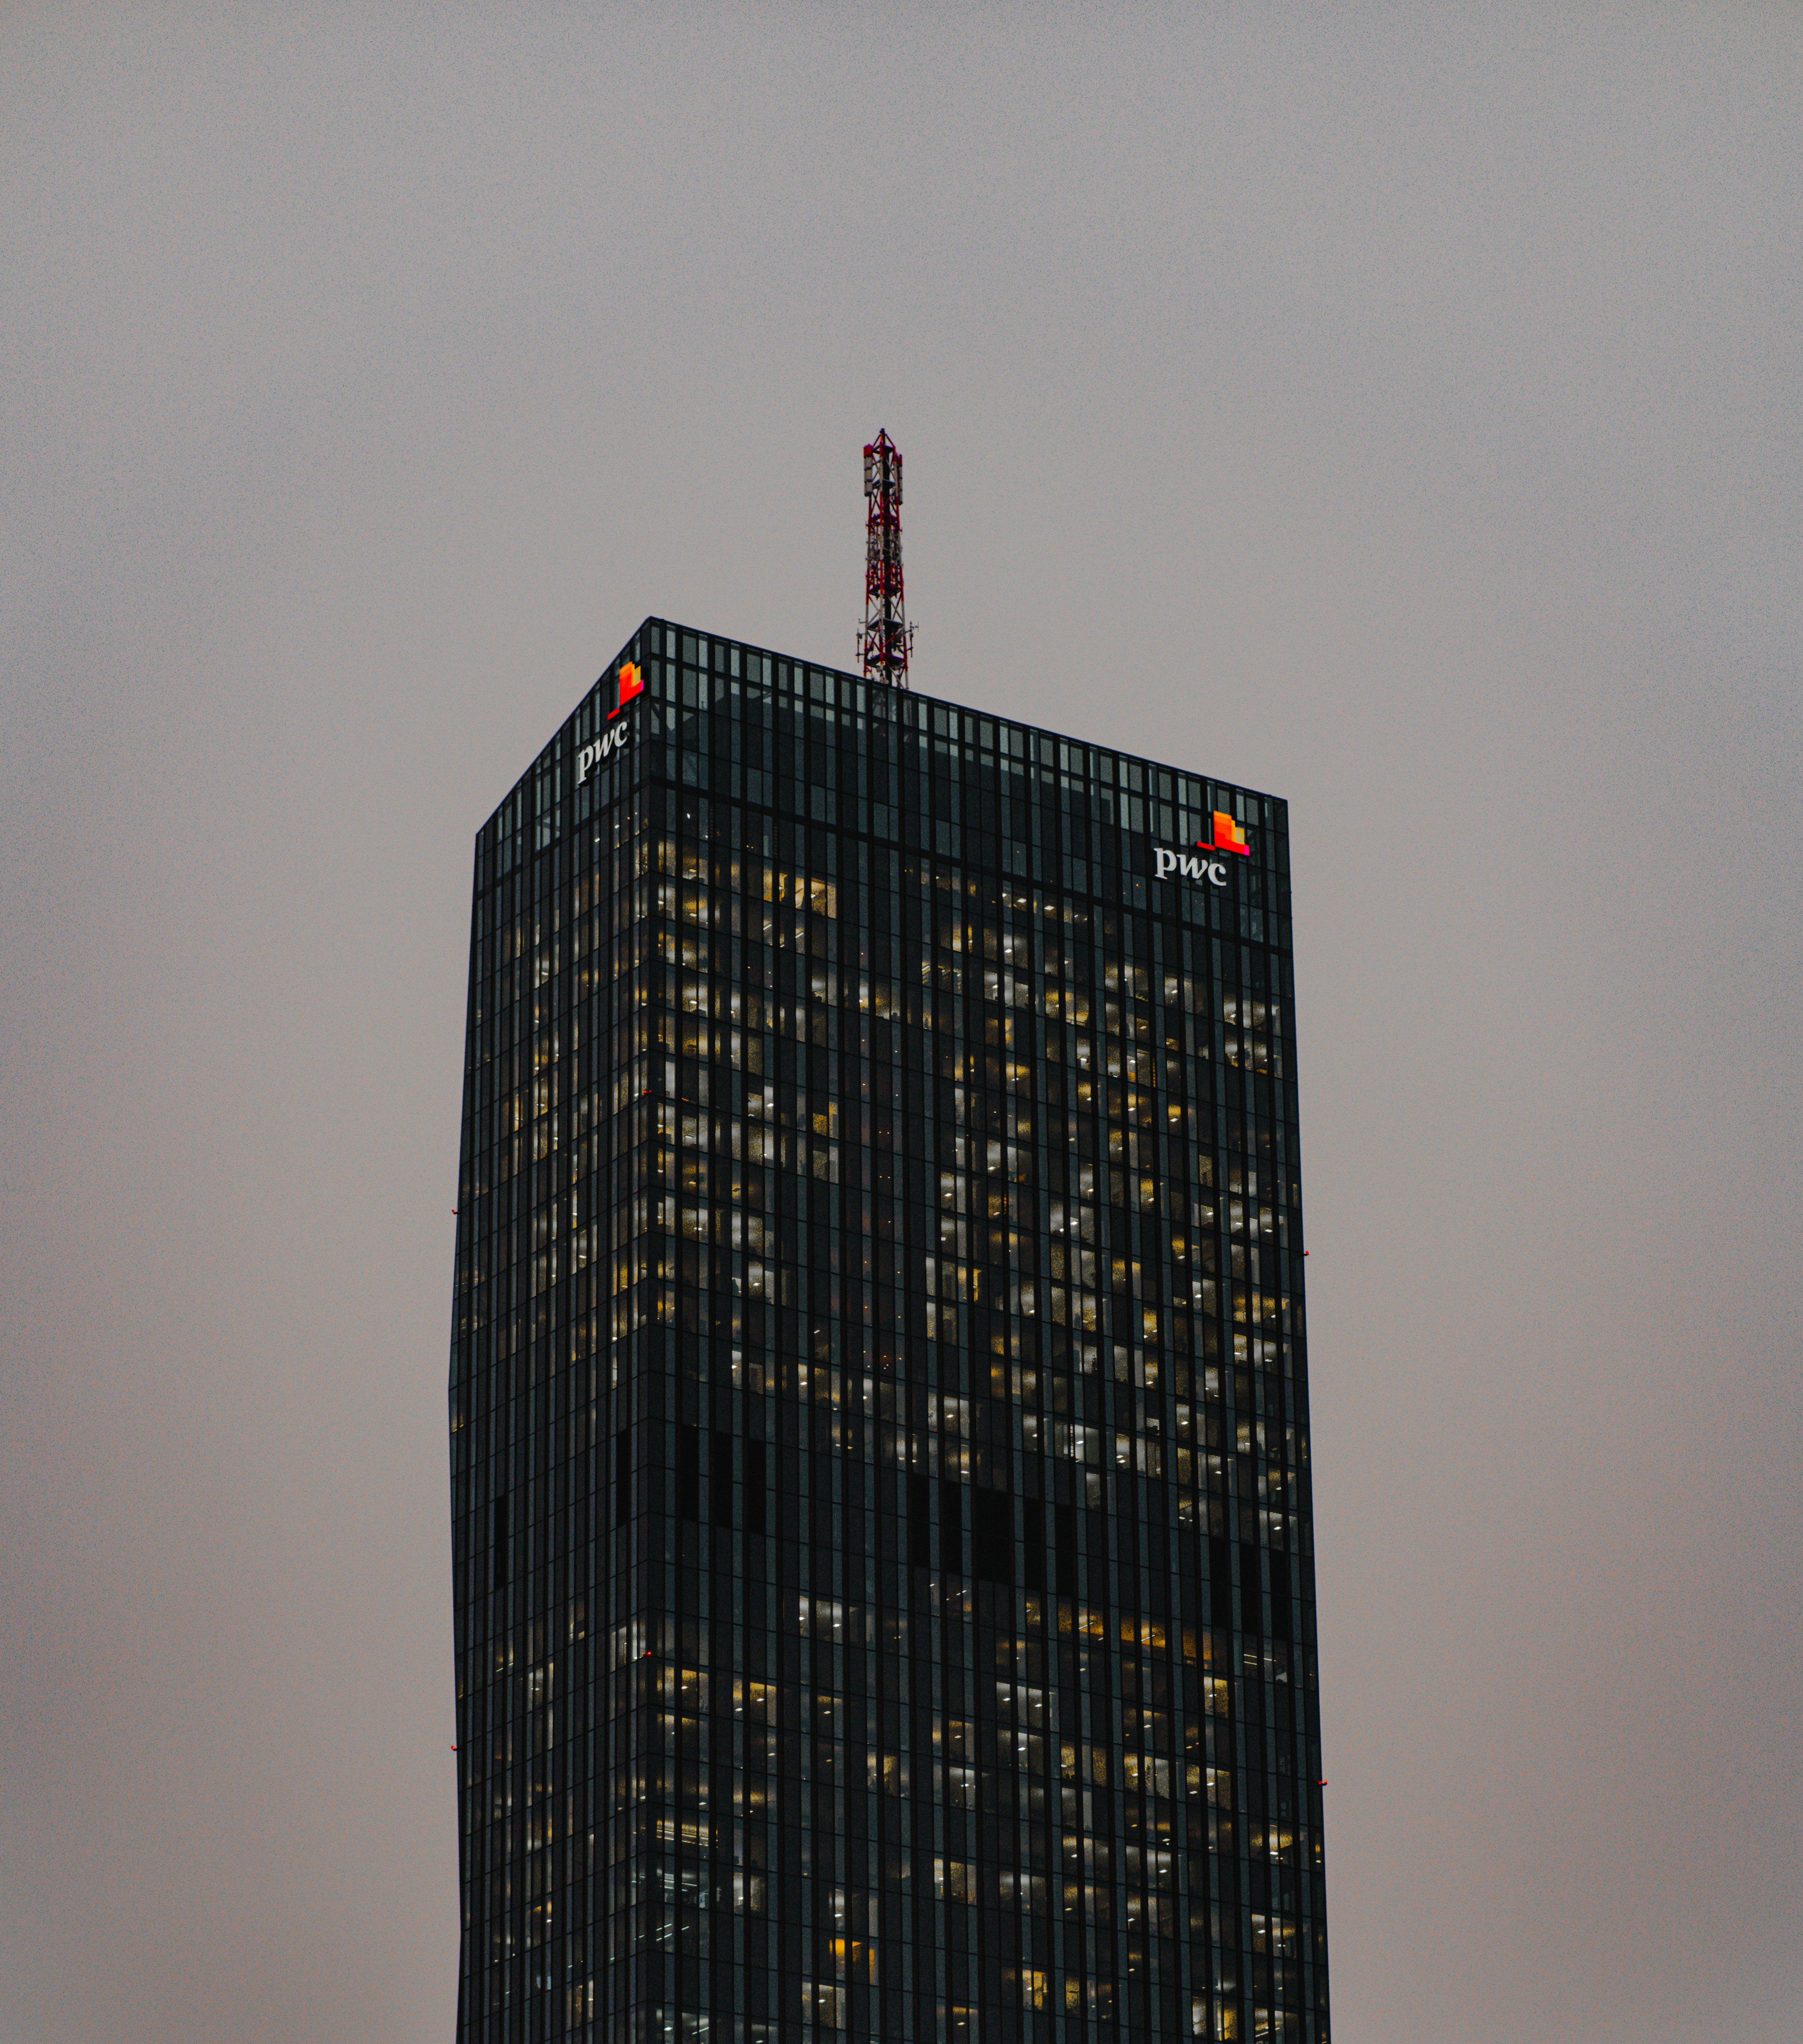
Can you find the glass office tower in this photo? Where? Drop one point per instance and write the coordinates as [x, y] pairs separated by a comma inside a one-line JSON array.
[[878, 1389]]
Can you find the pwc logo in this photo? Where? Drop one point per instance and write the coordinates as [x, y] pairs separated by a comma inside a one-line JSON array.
[[631, 684], [1228, 836], [1186, 866]]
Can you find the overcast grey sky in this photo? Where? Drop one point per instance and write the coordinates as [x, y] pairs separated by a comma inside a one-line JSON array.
[[1397, 408]]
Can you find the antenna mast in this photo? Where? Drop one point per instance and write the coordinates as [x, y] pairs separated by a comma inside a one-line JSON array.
[[887, 638]]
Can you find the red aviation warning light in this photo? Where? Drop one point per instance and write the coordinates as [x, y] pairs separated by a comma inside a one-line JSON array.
[[1228, 836], [632, 683], [887, 638]]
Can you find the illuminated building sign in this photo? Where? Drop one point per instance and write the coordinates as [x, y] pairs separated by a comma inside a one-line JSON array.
[[1228, 836], [1185, 865], [631, 684]]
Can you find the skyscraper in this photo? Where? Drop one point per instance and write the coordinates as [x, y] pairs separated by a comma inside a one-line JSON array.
[[878, 1389]]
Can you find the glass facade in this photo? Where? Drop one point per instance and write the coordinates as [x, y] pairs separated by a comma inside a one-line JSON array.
[[879, 1419]]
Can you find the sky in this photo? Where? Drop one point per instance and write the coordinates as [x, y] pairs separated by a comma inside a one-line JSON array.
[[1397, 408]]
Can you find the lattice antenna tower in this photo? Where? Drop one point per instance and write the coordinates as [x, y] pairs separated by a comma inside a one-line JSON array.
[[887, 638]]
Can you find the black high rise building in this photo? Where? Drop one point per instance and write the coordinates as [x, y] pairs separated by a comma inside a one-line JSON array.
[[878, 1389]]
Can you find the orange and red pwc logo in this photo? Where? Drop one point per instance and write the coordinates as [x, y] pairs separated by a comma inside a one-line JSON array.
[[1228, 836], [632, 683]]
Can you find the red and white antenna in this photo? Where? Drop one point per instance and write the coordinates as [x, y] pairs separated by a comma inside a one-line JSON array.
[[887, 638]]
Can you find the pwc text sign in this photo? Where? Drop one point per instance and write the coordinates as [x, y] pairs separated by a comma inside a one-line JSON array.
[[613, 738], [1228, 836]]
